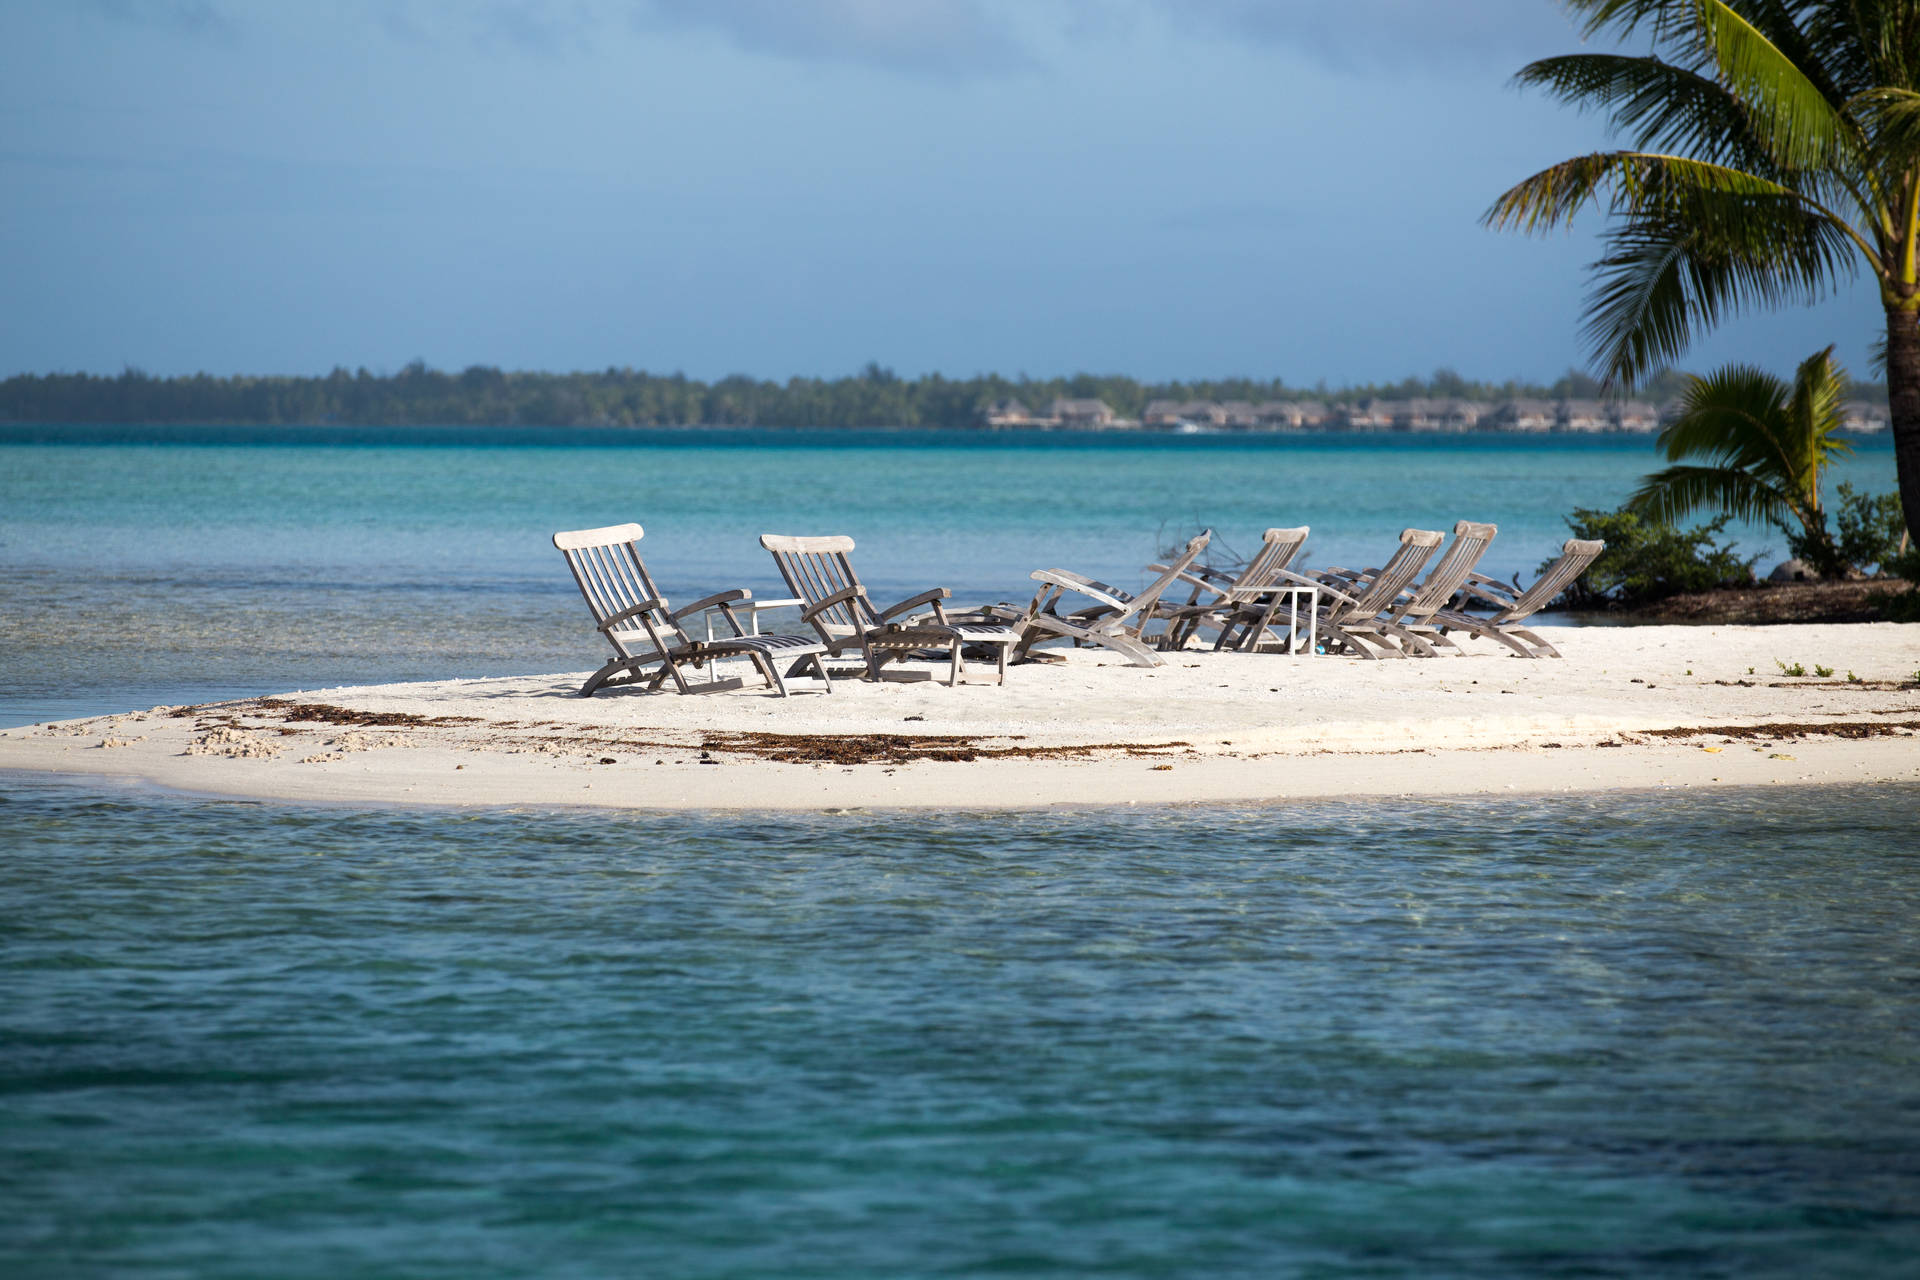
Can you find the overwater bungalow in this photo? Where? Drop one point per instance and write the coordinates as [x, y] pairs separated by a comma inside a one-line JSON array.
[[1007, 413], [1523, 415], [1083, 414]]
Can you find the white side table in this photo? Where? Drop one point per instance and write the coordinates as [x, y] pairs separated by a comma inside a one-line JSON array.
[[1250, 643], [753, 609]]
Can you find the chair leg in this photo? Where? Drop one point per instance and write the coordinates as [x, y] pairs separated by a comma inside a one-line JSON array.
[[1410, 644], [1352, 643], [1128, 647], [1497, 635], [606, 673], [820, 668], [1003, 662], [954, 666], [1545, 650], [770, 671]]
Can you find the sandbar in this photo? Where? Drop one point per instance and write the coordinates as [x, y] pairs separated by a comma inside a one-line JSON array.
[[1626, 708]]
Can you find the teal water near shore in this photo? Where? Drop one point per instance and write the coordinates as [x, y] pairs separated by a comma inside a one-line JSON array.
[[146, 565], [1609, 1036]]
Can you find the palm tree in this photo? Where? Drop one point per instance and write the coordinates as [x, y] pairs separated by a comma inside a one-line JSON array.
[[1765, 444], [1774, 153]]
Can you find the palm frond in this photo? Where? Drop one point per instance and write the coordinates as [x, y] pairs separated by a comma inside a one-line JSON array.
[[1820, 387], [1670, 494], [1725, 415], [1891, 118], [1661, 19], [1743, 420], [1659, 105], [1865, 44], [1696, 262], [1635, 182], [1791, 115]]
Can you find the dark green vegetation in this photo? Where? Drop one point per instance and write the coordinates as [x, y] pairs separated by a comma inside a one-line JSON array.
[[1870, 534], [1649, 559], [1774, 152], [875, 397], [1761, 446]]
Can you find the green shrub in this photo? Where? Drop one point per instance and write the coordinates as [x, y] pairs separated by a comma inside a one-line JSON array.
[[1648, 560], [1871, 527]]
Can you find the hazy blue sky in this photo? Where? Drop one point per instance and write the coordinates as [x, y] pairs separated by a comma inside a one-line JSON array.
[[1167, 188]]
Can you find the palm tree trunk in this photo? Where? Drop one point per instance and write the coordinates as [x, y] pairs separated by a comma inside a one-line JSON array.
[[1903, 394]]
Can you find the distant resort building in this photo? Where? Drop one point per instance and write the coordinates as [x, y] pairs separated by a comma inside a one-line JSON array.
[[1379, 414], [1863, 416], [1082, 413], [1077, 414], [1007, 413], [1523, 415], [1290, 415]]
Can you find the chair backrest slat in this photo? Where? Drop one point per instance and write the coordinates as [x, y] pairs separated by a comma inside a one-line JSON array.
[[1416, 548], [612, 578], [815, 568], [1575, 555], [1470, 542], [597, 563], [1277, 550], [1143, 603]]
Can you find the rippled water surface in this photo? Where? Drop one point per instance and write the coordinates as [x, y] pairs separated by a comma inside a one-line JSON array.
[[1650, 1035]]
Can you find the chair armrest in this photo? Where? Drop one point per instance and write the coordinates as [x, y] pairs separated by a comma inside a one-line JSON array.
[[1203, 583], [987, 614], [925, 597], [842, 596], [628, 615], [708, 602], [1486, 593], [1085, 586], [1199, 574]]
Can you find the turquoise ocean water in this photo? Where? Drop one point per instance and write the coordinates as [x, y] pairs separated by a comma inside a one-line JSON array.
[[148, 565], [1603, 1036]]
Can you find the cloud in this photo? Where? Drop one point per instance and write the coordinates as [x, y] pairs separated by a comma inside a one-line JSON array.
[[958, 38], [1403, 34]]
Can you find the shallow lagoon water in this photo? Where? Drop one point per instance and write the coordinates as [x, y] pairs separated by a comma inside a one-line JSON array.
[[1634, 1035], [147, 565]]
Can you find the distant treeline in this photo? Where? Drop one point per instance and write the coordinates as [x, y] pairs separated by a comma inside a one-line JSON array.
[[875, 397]]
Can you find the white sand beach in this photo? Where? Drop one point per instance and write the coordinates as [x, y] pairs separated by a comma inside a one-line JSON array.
[[1628, 707]]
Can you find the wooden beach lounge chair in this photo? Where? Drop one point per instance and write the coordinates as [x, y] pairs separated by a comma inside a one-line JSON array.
[[1217, 596], [1115, 620], [819, 571], [1508, 611], [644, 629], [1351, 619], [1407, 620]]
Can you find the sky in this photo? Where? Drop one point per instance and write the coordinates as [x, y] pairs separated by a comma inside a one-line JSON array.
[[1170, 189]]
